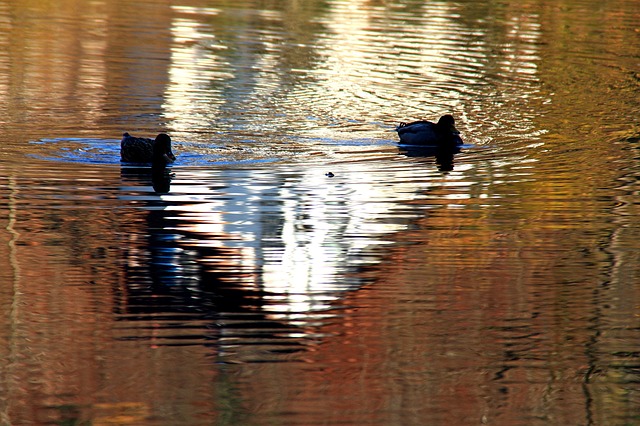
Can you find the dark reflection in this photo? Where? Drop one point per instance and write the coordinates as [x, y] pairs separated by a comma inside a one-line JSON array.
[[161, 179], [443, 155], [196, 289], [158, 176]]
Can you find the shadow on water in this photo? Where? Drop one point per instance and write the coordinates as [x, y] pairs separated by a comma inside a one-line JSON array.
[[161, 180], [197, 293], [443, 156], [187, 274], [158, 177]]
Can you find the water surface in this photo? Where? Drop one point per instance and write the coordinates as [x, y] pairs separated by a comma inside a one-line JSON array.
[[295, 266]]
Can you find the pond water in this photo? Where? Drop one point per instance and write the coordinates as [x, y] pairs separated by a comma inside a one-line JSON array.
[[295, 266]]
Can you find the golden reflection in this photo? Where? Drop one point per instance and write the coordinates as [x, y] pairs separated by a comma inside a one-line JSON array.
[[14, 316], [57, 57], [370, 64], [360, 34], [193, 67]]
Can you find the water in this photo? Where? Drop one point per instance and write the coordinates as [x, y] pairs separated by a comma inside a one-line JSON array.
[[296, 267]]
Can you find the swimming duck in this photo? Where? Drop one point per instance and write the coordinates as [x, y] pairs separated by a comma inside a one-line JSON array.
[[145, 150], [425, 133]]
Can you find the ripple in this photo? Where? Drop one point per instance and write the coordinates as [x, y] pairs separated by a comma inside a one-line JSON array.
[[293, 231], [107, 151]]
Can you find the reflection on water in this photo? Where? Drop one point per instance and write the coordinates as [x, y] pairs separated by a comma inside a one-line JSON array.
[[302, 231], [295, 265]]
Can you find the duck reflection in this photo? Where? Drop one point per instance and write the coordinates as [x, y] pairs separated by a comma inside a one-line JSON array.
[[443, 155], [161, 179]]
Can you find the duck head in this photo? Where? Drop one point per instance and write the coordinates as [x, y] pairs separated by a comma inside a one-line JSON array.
[[446, 125], [162, 154]]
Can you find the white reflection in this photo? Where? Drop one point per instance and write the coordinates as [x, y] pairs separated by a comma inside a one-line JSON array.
[[300, 233], [211, 88], [193, 66]]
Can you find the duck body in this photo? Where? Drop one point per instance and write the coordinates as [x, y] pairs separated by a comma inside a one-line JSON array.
[[145, 150], [442, 134]]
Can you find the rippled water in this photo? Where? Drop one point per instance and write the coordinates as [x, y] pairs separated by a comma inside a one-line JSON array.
[[294, 266]]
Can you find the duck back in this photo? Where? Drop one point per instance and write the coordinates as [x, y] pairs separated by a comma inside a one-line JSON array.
[[426, 133], [418, 133], [136, 150]]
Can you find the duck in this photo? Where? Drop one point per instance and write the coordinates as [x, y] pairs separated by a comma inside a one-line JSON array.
[[145, 150], [442, 134]]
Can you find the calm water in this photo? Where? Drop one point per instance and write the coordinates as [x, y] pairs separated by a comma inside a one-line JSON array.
[[500, 286]]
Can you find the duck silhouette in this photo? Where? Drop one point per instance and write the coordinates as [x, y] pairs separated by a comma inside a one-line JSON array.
[[442, 134], [144, 150]]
